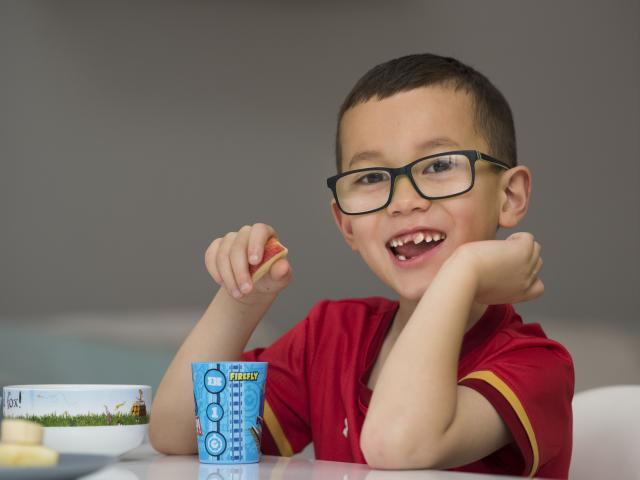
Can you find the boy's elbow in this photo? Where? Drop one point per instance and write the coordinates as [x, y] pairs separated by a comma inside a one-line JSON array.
[[377, 455], [165, 441], [383, 449], [157, 439]]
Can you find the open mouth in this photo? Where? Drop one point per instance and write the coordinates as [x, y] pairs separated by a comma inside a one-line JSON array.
[[403, 253], [412, 248]]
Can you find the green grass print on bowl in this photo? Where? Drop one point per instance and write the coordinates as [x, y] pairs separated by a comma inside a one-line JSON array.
[[88, 420]]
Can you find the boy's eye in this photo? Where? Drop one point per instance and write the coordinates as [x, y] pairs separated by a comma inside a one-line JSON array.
[[440, 165], [372, 177]]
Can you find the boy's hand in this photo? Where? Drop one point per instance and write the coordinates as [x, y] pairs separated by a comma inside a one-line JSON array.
[[227, 260], [506, 271]]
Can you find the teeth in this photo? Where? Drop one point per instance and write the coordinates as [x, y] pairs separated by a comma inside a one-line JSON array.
[[401, 257], [417, 238]]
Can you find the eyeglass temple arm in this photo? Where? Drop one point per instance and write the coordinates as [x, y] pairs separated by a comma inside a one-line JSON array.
[[495, 161]]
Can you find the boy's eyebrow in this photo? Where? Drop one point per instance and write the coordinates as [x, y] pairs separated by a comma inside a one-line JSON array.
[[426, 145]]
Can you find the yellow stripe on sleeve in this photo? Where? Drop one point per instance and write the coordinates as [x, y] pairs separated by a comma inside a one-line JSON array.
[[276, 431], [504, 389]]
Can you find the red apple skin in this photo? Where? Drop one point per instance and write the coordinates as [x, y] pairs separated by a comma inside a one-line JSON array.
[[271, 248]]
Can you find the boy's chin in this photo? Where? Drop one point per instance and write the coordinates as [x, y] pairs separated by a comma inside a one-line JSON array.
[[412, 287]]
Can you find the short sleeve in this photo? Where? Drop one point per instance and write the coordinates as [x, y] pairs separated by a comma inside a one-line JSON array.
[[531, 387], [286, 406]]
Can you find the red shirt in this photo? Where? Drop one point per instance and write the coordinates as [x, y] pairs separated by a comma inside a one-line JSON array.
[[317, 385]]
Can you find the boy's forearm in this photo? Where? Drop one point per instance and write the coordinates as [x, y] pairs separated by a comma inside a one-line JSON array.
[[417, 387], [220, 335]]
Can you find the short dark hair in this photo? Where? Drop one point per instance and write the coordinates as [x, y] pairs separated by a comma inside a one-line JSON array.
[[493, 118]]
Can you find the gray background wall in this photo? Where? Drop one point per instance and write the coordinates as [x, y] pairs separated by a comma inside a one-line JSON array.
[[134, 133]]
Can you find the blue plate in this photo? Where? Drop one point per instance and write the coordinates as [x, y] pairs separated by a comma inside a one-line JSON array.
[[70, 465]]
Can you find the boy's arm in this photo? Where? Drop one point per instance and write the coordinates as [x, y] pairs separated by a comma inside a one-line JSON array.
[[418, 415], [223, 331], [221, 334]]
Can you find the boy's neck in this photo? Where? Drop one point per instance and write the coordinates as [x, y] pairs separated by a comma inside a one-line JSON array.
[[406, 308]]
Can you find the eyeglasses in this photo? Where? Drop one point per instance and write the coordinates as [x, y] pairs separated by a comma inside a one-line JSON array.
[[442, 175]]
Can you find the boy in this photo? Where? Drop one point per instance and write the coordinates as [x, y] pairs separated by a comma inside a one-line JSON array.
[[447, 376]]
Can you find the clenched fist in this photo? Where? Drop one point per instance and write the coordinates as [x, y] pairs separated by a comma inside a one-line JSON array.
[[506, 271]]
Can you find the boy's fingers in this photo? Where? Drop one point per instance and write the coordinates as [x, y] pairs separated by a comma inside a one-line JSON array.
[[260, 233], [223, 264], [534, 278], [536, 290], [525, 237], [538, 267], [210, 260], [537, 248], [238, 258], [227, 258]]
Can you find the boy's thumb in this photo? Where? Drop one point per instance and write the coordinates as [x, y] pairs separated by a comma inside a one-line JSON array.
[[280, 269]]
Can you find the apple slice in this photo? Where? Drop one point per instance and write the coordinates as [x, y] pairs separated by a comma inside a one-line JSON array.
[[273, 251]]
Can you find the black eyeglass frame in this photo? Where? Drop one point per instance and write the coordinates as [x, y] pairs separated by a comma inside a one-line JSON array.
[[472, 155]]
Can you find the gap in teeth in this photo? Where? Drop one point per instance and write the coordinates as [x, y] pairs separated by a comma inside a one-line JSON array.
[[417, 238]]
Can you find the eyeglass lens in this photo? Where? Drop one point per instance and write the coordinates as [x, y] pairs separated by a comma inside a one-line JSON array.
[[435, 177]]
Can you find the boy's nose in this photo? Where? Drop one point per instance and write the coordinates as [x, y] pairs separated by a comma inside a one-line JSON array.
[[406, 198]]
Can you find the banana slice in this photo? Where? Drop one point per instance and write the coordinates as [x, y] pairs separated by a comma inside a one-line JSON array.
[[21, 432], [21, 445], [27, 455]]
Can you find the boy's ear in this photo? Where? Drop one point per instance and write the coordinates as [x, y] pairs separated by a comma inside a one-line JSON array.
[[344, 224], [515, 193]]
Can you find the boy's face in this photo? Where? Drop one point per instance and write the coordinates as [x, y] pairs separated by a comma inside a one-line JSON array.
[[395, 128]]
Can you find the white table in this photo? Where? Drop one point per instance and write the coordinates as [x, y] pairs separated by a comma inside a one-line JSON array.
[[144, 463]]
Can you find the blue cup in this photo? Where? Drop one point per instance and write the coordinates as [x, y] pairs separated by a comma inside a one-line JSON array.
[[229, 403]]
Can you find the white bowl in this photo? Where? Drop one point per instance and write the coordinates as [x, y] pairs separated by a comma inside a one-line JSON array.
[[101, 419]]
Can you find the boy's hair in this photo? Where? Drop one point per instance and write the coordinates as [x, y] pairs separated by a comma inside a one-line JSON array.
[[493, 118]]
